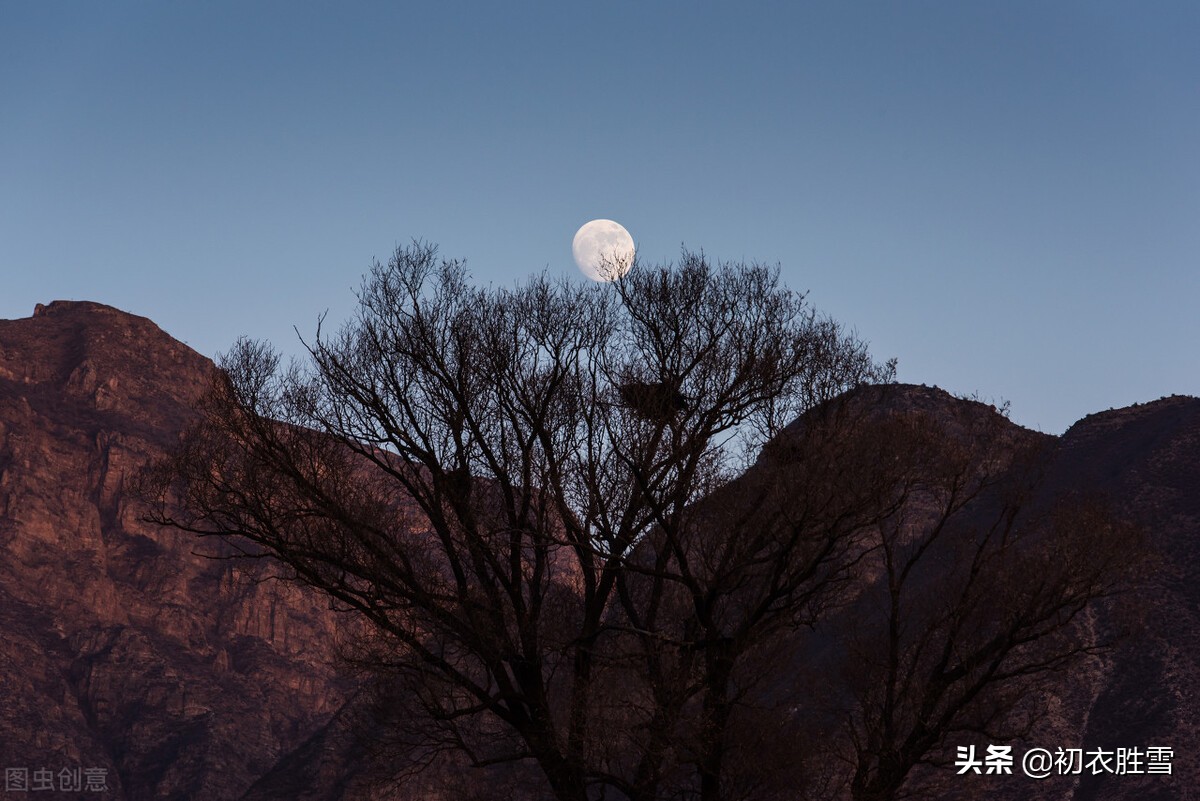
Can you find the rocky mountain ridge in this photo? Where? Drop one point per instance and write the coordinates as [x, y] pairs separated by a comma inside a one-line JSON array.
[[124, 650]]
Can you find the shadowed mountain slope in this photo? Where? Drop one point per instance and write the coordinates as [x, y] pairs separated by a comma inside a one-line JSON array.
[[1146, 459]]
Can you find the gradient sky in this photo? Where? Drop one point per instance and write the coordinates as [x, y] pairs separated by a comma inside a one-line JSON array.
[[1004, 196]]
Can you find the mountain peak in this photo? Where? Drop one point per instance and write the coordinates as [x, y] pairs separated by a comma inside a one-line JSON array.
[[69, 306], [99, 358], [1168, 408], [133, 653]]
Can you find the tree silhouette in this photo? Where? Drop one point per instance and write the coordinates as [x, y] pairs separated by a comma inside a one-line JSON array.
[[535, 502]]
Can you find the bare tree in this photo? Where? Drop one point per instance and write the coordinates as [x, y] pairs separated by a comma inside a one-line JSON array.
[[473, 472], [536, 504], [977, 597]]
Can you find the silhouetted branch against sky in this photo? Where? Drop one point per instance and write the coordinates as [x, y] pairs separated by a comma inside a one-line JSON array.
[[535, 499]]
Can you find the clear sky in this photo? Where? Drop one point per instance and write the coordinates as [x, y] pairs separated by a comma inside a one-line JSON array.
[[1005, 196]]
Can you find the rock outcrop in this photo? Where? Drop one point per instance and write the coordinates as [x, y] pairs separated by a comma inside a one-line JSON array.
[[1146, 459], [123, 649]]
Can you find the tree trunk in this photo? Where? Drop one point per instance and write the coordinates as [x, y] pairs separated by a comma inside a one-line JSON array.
[[716, 717]]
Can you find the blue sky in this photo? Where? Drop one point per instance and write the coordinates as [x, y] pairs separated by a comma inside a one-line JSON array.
[[1004, 196]]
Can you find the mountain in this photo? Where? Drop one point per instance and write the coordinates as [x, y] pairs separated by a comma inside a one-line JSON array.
[[126, 650], [123, 650], [1146, 458], [1143, 462]]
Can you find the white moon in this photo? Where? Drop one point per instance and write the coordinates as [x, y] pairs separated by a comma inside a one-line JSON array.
[[603, 250]]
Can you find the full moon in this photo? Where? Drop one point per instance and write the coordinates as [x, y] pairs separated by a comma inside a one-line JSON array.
[[603, 250]]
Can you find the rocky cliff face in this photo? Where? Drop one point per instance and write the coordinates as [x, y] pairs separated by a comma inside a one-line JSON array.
[[1144, 461], [1146, 458], [123, 650]]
